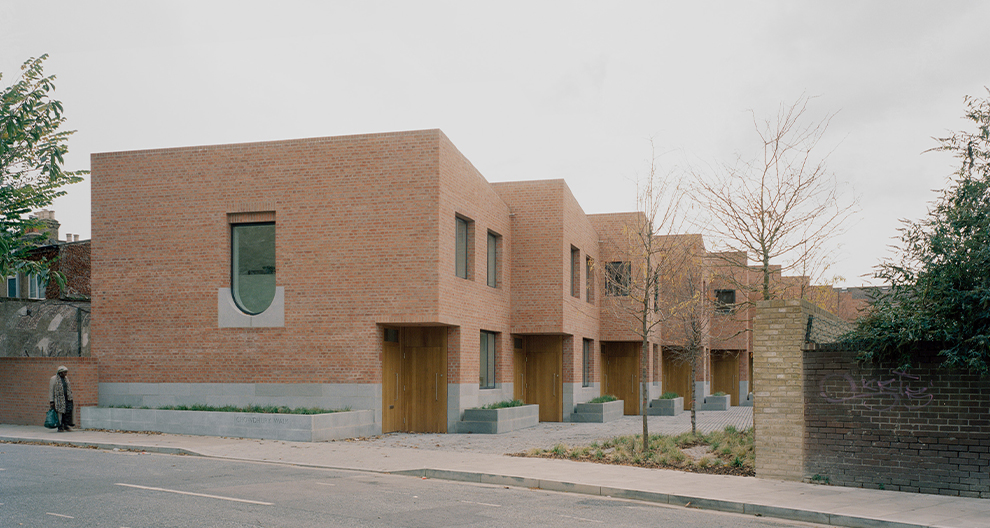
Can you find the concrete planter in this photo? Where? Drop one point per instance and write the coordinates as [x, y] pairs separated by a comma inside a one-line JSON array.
[[493, 421], [667, 407], [597, 412], [715, 403], [292, 427]]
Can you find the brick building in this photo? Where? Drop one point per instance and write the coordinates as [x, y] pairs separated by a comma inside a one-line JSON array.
[[376, 271]]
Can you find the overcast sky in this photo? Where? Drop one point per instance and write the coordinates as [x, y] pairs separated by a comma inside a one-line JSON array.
[[526, 90]]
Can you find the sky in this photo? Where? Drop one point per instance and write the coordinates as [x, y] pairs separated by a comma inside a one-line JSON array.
[[527, 90]]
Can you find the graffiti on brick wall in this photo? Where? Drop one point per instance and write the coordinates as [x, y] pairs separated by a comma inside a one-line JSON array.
[[877, 394]]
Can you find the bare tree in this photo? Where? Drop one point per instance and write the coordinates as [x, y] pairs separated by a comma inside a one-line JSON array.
[[686, 306], [633, 284], [783, 205]]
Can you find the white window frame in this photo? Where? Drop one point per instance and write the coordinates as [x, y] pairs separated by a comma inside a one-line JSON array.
[[36, 287]]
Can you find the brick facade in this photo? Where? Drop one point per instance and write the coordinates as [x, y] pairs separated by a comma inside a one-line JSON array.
[[926, 430], [365, 239], [822, 416]]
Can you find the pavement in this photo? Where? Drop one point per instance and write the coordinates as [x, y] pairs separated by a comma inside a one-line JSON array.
[[483, 459]]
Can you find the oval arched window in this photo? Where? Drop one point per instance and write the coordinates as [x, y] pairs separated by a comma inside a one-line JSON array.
[[252, 280]]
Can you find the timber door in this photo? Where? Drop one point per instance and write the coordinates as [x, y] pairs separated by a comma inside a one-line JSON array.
[[519, 368], [621, 367], [725, 374], [542, 376], [417, 401], [392, 417], [677, 377]]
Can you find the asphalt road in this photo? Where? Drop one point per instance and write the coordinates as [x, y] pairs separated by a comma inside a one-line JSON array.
[[44, 486]]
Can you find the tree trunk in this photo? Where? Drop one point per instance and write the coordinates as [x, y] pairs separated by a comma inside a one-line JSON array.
[[694, 396], [766, 277], [645, 394]]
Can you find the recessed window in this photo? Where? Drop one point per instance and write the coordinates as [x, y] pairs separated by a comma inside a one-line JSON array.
[[464, 248], [656, 294], [493, 244], [575, 272], [253, 266], [589, 279], [488, 352], [618, 278], [656, 364], [724, 300], [586, 362], [12, 286]]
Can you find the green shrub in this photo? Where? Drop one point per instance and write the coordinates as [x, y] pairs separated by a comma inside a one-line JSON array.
[[669, 396], [720, 393], [604, 399], [504, 404]]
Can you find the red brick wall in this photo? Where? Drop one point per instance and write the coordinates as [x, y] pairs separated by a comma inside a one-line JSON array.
[[471, 303], [547, 222], [538, 288], [74, 262], [928, 432], [361, 239], [24, 397]]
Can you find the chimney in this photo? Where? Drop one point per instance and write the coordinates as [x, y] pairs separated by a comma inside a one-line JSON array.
[[68, 237], [75, 238], [47, 232]]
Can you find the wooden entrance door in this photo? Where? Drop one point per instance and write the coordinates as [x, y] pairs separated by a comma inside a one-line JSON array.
[[542, 376], [725, 374], [519, 368], [621, 367], [677, 377], [417, 402], [392, 416]]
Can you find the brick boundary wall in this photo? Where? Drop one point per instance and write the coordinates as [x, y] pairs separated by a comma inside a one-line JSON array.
[[926, 430], [779, 328], [24, 386], [822, 416]]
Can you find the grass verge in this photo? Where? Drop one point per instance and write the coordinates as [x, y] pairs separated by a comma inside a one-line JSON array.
[[728, 452]]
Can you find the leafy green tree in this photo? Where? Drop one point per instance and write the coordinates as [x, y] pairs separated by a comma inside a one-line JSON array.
[[940, 284], [31, 157]]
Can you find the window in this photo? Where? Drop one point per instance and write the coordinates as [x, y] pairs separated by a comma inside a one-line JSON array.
[[586, 363], [252, 273], [724, 299], [656, 364], [462, 256], [589, 279], [36, 287], [575, 272], [493, 243], [656, 292], [12, 287], [391, 335], [488, 352], [618, 277]]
